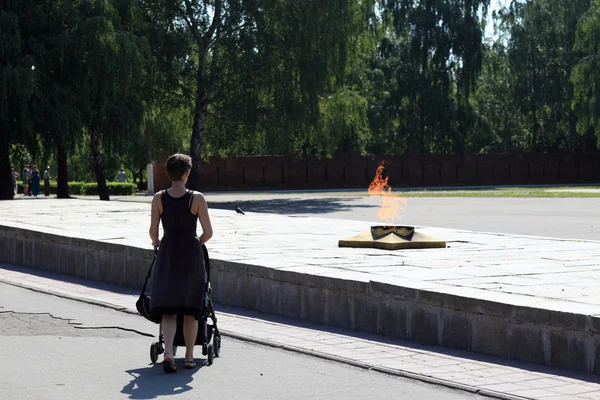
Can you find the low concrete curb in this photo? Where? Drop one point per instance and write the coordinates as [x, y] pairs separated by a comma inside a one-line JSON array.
[[551, 338]]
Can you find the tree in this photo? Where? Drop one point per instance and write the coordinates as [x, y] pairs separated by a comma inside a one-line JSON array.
[[16, 84], [435, 51], [109, 72], [541, 40], [585, 76], [500, 126], [56, 102], [284, 53]]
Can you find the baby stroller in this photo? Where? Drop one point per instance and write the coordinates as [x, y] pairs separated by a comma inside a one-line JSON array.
[[207, 333]]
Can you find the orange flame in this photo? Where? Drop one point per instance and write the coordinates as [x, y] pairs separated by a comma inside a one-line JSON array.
[[391, 204]]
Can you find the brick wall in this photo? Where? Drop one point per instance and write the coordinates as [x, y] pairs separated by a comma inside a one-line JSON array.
[[408, 170]]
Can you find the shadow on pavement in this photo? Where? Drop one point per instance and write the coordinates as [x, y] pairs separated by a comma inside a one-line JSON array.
[[292, 206], [465, 355], [151, 382], [72, 279]]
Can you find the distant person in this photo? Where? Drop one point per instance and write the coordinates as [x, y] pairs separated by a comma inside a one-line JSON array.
[[35, 181], [122, 176], [47, 178], [14, 176], [25, 178], [179, 277], [29, 179]]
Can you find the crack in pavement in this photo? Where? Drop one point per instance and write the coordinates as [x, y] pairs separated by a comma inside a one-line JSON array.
[[39, 324]]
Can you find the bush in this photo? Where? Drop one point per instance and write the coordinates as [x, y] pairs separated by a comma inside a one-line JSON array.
[[74, 187], [91, 188], [114, 189]]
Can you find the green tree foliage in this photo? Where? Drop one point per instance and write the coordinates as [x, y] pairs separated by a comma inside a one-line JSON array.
[[16, 87], [500, 126], [109, 76], [586, 75], [541, 55], [432, 55], [56, 101], [96, 85], [259, 68], [86, 68]]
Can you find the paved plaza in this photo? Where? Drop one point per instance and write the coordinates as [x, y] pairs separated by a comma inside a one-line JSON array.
[[565, 218], [553, 274]]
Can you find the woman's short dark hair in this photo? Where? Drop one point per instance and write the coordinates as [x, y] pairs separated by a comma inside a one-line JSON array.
[[177, 165]]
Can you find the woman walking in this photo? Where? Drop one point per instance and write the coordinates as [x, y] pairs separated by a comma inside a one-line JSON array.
[[35, 181], [179, 275]]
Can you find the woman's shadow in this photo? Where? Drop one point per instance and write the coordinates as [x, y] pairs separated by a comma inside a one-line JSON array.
[[151, 382]]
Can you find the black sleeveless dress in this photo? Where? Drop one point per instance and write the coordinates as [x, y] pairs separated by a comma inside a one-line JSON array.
[[179, 277]]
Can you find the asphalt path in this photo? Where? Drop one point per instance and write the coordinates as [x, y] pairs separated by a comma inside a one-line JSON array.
[[55, 349], [567, 218]]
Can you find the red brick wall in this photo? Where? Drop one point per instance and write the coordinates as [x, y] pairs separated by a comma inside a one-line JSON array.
[[159, 172], [408, 170]]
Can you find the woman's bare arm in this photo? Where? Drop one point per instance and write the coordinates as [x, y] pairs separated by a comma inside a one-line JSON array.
[[155, 218], [201, 211]]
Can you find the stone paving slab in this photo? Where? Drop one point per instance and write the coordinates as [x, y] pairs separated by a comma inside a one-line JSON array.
[[554, 274], [485, 375]]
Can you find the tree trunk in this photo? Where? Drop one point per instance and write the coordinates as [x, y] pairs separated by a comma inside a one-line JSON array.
[[536, 133], [535, 139], [148, 146], [62, 173], [197, 140], [421, 145], [573, 137], [424, 77], [97, 158], [141, 179], [6, 187]]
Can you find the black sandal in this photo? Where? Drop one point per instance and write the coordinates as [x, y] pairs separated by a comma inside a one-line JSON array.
[[189, 364], [169, 366]]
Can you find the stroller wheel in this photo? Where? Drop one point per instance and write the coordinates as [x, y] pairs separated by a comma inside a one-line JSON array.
[[174, 351], [211, 354], [217, 345], [154, 352]]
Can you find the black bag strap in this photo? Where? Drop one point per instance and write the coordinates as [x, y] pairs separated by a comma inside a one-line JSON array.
[[149, 271], [206, 261]]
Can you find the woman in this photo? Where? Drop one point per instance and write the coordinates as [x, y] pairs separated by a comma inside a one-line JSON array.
[[14, 176], [35, 181], [25, 181], [179, 275]]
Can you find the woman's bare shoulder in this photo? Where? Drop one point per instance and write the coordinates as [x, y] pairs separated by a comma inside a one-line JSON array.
[[157, 195], [157, 198], [197, 194]]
